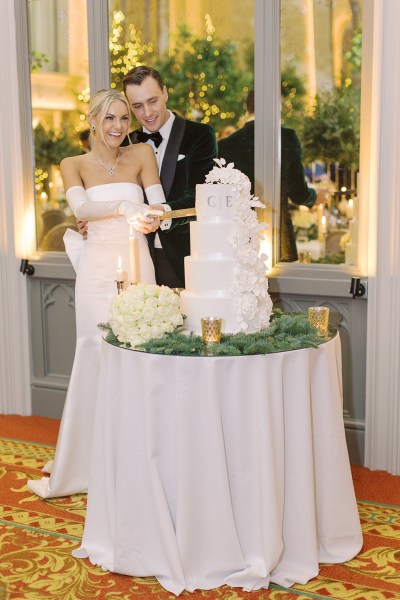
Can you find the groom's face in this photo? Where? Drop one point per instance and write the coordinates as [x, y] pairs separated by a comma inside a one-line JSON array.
[[148, 103]]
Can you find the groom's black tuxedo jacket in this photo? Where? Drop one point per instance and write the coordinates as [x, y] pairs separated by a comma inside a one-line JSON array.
[[188, 157]]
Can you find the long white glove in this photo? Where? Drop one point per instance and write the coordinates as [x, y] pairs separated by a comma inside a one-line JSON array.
[[90, 210], [145, 213], [155, 194]]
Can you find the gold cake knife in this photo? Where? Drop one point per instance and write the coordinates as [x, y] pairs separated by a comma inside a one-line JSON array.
[[176, 214]]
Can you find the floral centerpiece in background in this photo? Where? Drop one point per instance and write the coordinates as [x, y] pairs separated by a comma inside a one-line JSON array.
[[305, 223], [143, 312], [253, 303]]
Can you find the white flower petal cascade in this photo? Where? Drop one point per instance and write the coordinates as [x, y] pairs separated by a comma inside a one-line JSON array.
[[252, 301]]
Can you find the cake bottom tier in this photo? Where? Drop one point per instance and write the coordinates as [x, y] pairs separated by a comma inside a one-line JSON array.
[[195, 306]]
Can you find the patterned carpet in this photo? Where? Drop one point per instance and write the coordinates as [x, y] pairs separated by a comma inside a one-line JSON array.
[[37, 538]]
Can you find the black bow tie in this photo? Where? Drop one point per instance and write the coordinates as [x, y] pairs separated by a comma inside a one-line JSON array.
[[142, 136]]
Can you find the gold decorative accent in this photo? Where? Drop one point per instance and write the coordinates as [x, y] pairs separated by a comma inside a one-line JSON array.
[[211, 330], [176, 214], [319, 318]]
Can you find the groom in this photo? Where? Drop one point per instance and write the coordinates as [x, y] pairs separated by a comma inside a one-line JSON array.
[[185, 153]]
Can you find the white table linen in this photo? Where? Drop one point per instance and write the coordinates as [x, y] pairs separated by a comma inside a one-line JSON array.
[[220, 470]]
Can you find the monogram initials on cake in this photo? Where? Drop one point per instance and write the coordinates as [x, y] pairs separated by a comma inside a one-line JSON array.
[[220, 202]]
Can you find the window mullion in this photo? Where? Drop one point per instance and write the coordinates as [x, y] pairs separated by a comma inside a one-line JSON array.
[[99, 58]]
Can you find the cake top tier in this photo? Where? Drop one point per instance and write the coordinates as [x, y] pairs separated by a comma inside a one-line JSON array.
[[215, 202]]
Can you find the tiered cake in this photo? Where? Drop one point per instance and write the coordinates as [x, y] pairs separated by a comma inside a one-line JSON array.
[[225, 277]]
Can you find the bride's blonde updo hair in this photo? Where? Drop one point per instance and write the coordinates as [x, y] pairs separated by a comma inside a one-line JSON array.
[[100, 102]]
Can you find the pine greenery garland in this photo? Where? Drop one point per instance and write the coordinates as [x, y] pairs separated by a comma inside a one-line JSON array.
[[287, 331]]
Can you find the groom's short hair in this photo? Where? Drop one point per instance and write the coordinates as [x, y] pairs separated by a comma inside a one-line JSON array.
[[137, 75]]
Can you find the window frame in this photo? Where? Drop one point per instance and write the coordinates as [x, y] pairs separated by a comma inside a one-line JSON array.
[[293, 277]]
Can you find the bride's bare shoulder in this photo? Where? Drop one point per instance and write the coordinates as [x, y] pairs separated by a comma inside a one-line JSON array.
[[73, 162], [71, 169]]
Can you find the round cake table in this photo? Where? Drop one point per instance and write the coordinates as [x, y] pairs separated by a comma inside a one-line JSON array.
[[220, 470]]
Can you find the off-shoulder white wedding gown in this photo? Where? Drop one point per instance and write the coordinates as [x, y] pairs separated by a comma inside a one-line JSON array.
[[95, 261]]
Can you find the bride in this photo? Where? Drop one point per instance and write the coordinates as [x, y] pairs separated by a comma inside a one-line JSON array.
[[103, 187]]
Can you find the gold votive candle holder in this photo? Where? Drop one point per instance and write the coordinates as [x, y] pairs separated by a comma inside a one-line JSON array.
[[211, 328], [319, 318], [120, 286]]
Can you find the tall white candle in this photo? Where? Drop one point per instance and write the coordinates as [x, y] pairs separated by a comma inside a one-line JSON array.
[[120, 275], [134, 258]]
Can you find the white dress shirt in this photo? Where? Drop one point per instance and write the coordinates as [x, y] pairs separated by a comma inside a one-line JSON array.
[[159, 152]]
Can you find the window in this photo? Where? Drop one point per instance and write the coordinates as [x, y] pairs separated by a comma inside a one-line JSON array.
[[320, 94], [59, 88]]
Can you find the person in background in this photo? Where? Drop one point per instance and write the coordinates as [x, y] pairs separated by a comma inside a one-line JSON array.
[[239, 149]]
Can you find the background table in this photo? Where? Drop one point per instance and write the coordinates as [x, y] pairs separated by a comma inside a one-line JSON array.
[[220, 470]]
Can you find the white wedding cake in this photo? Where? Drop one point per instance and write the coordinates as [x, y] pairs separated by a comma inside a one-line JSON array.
[[225, 276]]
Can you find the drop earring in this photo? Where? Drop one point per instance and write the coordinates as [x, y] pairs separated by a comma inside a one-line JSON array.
[[94, 127]]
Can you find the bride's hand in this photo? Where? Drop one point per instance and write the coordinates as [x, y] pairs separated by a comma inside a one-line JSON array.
[[145, 223], [145, 220]]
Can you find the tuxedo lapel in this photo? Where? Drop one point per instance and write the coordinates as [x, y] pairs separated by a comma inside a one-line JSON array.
[[168, 167]]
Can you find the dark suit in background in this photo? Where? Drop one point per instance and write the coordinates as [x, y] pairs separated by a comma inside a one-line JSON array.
[[239, 149], [293, 186]]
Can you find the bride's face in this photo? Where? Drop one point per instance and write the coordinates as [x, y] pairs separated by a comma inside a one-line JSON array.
[[115, 125]]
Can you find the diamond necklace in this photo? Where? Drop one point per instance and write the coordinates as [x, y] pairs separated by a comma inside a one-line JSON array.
[[111, 170]]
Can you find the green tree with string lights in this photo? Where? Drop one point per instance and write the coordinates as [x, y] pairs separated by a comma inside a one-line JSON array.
[[293, 94], [125, 55], [204, 78]]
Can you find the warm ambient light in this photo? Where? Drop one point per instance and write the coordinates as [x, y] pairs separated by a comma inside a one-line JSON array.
[[350, 209], [25, 236]]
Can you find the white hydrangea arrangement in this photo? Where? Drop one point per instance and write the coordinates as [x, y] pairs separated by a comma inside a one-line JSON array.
[[143, 312], [253, 302]]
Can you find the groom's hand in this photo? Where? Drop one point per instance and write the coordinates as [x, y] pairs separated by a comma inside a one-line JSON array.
[[82, 228]]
